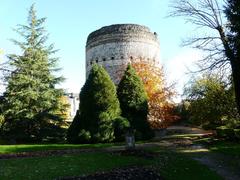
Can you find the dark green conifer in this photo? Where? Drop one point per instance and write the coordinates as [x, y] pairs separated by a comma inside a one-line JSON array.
[[133, 103], [32, 102], [98, 108]]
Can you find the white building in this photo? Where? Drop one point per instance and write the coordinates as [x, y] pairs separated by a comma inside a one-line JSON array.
[[73, 100]]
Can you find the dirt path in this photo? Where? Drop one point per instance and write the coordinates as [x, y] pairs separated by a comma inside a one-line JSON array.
[[183, 129], [217, 163], [214, 161]]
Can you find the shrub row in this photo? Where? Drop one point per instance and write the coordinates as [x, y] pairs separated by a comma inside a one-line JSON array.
[[229, 133], [106, 112]]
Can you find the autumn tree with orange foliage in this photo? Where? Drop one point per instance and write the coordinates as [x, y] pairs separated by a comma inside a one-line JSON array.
[[160, 95]]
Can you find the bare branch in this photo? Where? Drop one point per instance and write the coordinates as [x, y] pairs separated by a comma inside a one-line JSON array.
[[205, 14]]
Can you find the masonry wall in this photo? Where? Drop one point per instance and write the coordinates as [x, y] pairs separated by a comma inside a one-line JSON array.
[[115, 46]]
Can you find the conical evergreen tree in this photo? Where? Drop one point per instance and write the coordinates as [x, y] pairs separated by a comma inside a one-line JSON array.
[[32, 101], [98, 108], [133, 103]]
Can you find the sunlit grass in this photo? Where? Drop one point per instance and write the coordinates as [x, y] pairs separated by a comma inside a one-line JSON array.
[[5, 149], [183, 136], [220, 146], [193, 150]]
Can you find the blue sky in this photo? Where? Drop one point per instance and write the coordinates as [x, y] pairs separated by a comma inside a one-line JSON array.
[[70, 21]]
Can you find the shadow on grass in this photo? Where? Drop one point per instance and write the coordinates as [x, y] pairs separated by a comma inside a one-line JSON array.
[[47, 168]]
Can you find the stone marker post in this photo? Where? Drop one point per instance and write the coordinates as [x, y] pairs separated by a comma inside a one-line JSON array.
[[130, 140]]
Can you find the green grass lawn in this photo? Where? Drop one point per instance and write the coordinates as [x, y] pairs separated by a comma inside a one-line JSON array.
[[45, 168], [221, 146], [226, 147], [171, 165], [177, 166], [6, 149]]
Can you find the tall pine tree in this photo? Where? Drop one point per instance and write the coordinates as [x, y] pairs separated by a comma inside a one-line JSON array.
[[32, 102], [98, 109], [133, 103]]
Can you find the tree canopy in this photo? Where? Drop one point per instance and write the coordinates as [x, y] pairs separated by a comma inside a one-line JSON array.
[[221, 46], [211, 101], [32, 101], [160, 94]]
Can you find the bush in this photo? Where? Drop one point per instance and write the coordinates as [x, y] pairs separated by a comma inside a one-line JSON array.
[[75, 135], [120, 126], [211, 102], [1, 124], [225, 132], [84, 136], [52, 133], [210, 126], [237, 133], [1, 120], [231, 122]]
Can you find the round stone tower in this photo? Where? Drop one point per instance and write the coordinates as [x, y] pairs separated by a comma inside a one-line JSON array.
[[115, 46]]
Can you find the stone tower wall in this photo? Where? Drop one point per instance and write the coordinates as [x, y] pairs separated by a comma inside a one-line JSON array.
[[115, 46]]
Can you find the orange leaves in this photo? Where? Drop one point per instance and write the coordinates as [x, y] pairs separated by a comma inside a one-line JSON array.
[[161, 107]]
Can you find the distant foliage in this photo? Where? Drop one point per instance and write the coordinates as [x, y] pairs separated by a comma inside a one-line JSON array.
[[161, 107], [98, 108], [134, 104], [64, 113], [211, 102]]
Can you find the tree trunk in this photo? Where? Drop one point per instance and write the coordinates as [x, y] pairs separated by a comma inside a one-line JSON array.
[[235, 65], [236, 81]]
